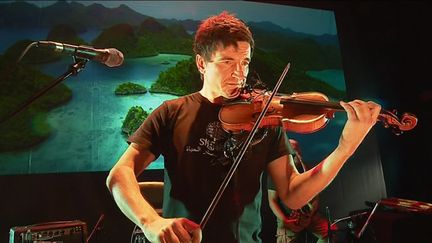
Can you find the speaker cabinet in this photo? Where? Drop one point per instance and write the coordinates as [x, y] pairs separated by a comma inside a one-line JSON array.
[[54, 232]]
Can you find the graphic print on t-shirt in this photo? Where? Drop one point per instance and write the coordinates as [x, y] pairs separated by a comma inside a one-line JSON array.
[[211, 143], [221, 145]]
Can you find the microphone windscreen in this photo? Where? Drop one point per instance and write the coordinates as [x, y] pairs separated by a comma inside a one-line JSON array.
[[115, 58]]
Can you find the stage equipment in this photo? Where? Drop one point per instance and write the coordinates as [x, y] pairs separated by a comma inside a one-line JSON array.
[[74, 231], [391, 220]]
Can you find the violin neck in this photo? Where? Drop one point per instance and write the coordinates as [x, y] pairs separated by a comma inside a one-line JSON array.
[[320, 104], [389, 119], [384, 114]]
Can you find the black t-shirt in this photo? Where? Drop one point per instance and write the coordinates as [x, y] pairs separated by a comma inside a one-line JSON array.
[[188, 133]]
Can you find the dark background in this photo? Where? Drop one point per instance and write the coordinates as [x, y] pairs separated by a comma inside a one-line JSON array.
[[385, 48]]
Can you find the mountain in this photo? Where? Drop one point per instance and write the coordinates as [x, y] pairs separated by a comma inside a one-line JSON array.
[[20, 14], [267, 26], [189, 25], [17, 14], [100, 16], [150, 25], [149, 39], [138, 35], [122, 36]]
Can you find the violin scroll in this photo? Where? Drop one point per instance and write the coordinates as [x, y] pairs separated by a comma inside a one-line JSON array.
[[390, 120]]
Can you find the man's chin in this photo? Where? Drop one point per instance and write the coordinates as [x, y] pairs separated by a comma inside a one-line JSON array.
[[231, 95]]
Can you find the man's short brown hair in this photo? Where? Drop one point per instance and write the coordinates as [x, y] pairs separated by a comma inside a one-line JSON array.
[[225, 29]]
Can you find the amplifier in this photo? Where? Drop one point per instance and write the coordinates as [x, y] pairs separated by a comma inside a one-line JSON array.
[[74, 231]]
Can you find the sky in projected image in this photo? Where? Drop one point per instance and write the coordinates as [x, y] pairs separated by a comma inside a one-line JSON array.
[[85, 133]]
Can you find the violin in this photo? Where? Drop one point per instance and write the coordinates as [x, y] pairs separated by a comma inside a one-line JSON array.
[[304, 113], [299, 112]]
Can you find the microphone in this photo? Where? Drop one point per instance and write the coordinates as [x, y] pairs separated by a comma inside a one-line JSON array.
[[110, 57]]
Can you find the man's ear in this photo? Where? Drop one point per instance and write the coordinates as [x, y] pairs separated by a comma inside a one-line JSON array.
[[199, 60]]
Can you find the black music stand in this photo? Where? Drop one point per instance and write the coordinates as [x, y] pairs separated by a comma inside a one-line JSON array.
[[401, 218], [363, 228]]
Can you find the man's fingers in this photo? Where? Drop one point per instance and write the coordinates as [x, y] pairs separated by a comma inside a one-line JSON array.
[[349, 109], [190, 225], [169, 235], [173, 230], [376, 109], [361, 110], [196, 235], [194, 230], [182, 233]]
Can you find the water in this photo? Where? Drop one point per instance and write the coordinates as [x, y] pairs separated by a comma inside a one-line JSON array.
[[86, 131]]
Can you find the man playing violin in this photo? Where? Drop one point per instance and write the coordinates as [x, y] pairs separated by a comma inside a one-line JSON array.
[[188, 133]]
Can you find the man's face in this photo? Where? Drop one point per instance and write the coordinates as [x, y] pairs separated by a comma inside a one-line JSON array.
[[227, 69]]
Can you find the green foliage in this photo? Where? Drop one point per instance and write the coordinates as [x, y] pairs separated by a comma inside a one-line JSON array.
[[307, 54], [130, 88], [172, 39], [145, 48], [120, 36], [150, 39], [18, 84], [26, 129], [134, 118], [270, 67], [66, 34], [182, 79], [166, 43], [59, 33], [33, 56], [267, 66]]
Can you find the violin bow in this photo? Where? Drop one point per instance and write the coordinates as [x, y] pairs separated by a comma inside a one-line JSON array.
[[241, 153]]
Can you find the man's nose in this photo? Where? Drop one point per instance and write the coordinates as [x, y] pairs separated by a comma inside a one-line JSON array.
[[239, 72]]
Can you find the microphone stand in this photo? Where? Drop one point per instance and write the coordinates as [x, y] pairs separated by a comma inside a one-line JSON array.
[[360, 233], [96, 228], [74, 69], [329, 230]]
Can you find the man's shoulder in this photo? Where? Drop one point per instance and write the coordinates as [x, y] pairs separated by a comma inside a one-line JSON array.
[[184, 100]]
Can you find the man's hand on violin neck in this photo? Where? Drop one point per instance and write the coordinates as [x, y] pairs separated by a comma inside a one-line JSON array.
[[361, 117], [173, 230]]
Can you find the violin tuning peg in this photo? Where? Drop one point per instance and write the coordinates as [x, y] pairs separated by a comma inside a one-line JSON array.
[[397, 131]]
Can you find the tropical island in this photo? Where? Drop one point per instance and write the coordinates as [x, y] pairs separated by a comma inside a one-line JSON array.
[[150, 38], [29, 127], [184, 78], [134, 118], [130, 88], [179, 80], [20, 82]]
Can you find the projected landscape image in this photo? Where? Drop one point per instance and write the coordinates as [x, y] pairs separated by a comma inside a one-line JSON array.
[[82, 124]]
